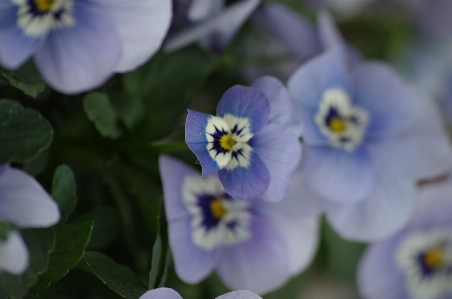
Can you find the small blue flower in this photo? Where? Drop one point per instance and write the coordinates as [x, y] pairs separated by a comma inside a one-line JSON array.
[[417, 262], [369, 138], [254, 245], [252, 142], [23, 204], [167, 293], [78, 44]]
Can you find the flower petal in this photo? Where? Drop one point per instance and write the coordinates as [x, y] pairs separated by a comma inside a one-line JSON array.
[[280, 150], [240, 295], [260, 264], [386, 210], [24, 202], [283, 110], [192, 263], [14, 254], [82, 57], [161, 293], [141, 26], [245, 102], [337, 175], [246, 182]]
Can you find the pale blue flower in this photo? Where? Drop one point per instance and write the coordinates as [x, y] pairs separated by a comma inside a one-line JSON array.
[[167, 293]]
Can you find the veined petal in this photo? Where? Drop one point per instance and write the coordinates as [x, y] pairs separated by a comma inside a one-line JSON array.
[[24, 202], [260, 264], [81, 57], [337, 175], [280, 150], [246, 182], [283, 110], [245, 102], [141, 26], [14, 254], [161, 293]]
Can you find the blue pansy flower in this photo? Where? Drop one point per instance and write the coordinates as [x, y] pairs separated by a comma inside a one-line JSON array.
[[23, 204], [252, 244], [369, 138], [167, 293], [78, 44], [252, 142], [417, 262]]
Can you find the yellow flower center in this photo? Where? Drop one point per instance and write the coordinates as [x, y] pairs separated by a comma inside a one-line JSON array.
[[227, 142], [44, 5], [434, 258], [217, 208], [337, 125]]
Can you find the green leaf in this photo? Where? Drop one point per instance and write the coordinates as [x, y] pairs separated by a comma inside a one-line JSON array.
[[26, 78], [39, 242], [63, 190], [49, 293], [163, 86], [118, 278], [99, 110], [107, 225], [160, 255], [24, 133], [70, 242]]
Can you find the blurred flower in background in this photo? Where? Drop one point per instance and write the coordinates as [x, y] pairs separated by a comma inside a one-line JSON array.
[[167, 293]]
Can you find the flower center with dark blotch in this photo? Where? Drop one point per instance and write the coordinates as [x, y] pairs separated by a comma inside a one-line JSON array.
[[217, 218], [341, 122], [227, 139], [37, 17], [426, 260]]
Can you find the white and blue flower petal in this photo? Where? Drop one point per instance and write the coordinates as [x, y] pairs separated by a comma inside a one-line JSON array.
[[245, 102], [246, 182], [13, 254]]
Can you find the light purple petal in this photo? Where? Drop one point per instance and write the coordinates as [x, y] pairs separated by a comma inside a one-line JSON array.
[[245, 183], [283, 110], [280, 150], [386, 210], [15, 47], [245, 102], [192, 263], [240, 295], [294, 32], [141, 26], [260, 264], [161, 293], [173, 174], [222, 27], [309, 82], [337, 175], [329, 34], [195, 137], [82, 57], [13, 254], [378, 276], [200, 10], [24, 202]]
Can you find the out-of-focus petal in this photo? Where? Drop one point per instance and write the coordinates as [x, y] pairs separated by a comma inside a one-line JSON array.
[[161, 293], [246, 182], [141, 26], [82, 57], [240, 295], [14, 254], [245, 102], [259, 264], [280, 150], [200, 10], [24, 202]]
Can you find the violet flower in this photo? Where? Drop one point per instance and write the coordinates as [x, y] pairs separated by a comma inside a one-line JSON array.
[[369, 138], [252, 244], [252, 142], [78, 45], [23, 204]]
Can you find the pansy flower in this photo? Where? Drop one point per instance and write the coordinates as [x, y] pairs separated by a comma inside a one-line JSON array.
[[252, 244], [78, 44], [369, 138], [252, 142], [417, 262], [167, 293], [23, 204]]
